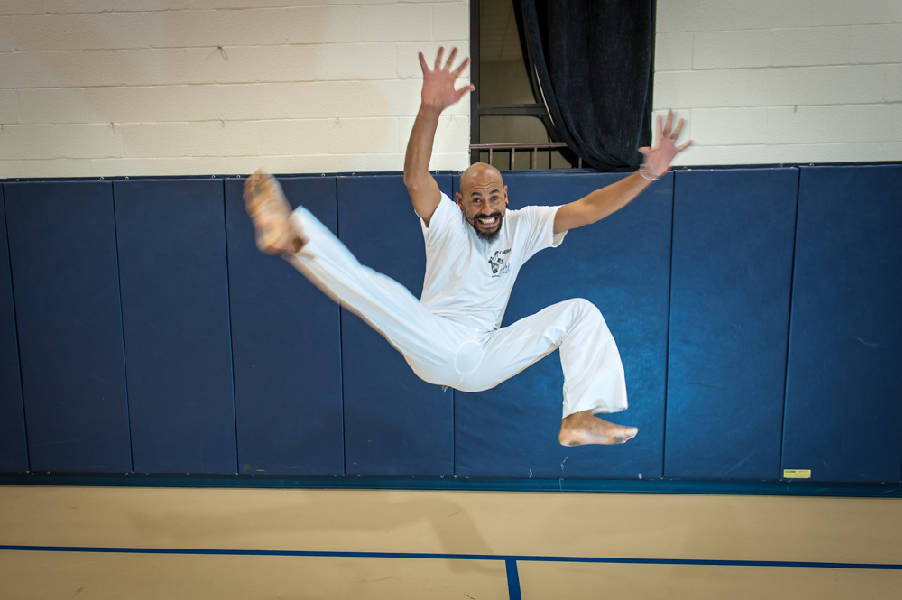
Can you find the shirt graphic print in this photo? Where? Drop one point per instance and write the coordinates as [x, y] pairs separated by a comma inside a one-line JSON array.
[[500, 262]]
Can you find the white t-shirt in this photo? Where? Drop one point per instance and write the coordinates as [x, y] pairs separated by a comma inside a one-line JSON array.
[[469, 279]]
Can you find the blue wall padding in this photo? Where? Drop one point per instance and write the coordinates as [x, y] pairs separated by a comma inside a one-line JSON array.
[[621, 264], [285, 340], [729, 312], [13, 456], [395, 424], [843, 409], [63, 253], [172, 268], [756, 312]]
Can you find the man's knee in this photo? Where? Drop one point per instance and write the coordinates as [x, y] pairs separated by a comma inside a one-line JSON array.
[[450, 365], [586, 310]]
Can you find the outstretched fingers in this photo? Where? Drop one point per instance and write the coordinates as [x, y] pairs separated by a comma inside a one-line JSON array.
[[667, 131], [423, 66], [438, 84], [676, 132], [451, 58], [461, 68], [464, 91], [449, 63], [438, 58]]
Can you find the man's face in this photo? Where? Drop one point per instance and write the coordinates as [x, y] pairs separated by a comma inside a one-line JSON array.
[[483, 199]]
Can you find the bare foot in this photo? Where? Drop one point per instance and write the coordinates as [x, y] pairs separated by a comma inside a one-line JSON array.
[[277, 232], [583, 428]]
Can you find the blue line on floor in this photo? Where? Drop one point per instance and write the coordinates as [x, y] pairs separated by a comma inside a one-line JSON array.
[[508, 559], [513, 579]]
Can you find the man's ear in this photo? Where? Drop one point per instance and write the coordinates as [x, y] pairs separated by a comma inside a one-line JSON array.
[[506, 200], [460, 199]]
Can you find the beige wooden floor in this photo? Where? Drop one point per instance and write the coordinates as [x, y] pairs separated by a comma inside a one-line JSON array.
[[490, 524]]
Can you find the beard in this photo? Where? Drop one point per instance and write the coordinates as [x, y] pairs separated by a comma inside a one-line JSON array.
[[489, 237]]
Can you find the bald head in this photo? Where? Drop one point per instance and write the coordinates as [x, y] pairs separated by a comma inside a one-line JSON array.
[[481, 172]]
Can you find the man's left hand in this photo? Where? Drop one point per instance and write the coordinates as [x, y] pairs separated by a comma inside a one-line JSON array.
[[658, 158]]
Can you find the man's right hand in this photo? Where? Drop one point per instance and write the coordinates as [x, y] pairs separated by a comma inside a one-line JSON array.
[[438, 83]]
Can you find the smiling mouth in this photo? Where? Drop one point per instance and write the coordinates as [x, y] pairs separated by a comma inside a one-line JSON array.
[[488, 221]]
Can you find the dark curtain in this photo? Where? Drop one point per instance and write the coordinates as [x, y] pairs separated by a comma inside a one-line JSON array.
[[591, 65]]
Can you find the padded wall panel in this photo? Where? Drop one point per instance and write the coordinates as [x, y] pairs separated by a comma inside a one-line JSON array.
[[395, 423], [13, 457], [63, 256], [172, 263], [620, 264], [285, 336], [732, 266], [844, 390]]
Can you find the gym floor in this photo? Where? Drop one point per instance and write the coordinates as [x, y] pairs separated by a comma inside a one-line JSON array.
[[138, 543]]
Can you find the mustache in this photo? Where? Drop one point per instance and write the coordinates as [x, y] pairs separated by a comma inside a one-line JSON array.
[[484, 234]]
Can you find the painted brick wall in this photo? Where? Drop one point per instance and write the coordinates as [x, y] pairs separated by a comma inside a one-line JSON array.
[[152, 87], [775, 81]]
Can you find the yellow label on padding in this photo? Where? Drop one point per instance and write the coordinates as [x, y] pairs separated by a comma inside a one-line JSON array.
[[796, 473]]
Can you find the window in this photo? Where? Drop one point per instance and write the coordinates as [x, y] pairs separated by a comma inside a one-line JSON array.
[[507, 127]]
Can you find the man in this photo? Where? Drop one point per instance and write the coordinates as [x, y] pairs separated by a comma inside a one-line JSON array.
[[474, 250]]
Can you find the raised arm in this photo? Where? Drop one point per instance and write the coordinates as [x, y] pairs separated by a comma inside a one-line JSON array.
[[607, 200], [437, 94]]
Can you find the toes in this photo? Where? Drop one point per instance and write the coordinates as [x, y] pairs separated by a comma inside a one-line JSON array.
[[252, 183], [625, 436], [255, 187], [252, 190]]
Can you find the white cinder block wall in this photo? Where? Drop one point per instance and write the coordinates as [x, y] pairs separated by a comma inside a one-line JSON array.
[[771, 81], [165, 87]]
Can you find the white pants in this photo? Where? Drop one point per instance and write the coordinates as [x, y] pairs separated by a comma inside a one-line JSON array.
[[443, 352]]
